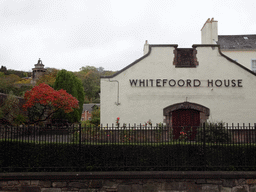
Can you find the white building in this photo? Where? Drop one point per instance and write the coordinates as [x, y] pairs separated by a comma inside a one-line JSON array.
[[181, 87], [241, 48]]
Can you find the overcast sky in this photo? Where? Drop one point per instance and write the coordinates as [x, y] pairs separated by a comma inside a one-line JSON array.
[[70, 34]]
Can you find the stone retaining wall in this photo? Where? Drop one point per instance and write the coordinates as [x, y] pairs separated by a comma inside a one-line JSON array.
[[129, 182]]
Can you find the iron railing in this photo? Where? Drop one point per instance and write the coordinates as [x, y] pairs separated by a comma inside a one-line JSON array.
[[128, 147]]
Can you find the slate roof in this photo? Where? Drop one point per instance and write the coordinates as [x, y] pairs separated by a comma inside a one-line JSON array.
[[237, 42], [89, 107]]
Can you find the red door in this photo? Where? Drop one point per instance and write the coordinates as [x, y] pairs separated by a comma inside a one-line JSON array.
[[185, 120]]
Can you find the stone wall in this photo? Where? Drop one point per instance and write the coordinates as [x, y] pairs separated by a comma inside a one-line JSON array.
[[129, 182]]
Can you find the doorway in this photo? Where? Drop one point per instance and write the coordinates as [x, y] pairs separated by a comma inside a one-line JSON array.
[[185, 123], [184, 118]]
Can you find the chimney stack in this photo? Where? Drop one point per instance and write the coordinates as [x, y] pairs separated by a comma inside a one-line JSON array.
[[146, 47], [209, 32]]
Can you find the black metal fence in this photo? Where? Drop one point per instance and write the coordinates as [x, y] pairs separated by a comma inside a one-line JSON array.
[[128, 147]]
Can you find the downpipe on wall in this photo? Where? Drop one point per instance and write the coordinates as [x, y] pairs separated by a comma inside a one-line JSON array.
[[117, 103]]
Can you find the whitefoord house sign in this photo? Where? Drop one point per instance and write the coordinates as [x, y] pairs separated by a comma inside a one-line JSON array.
[[198, 82]]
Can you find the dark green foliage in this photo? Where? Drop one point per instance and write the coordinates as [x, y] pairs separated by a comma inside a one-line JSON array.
[[1, 113], [86, 123], [35, 112], [18, 73], [18, 91], [214, 133], [91, 85], [97, 100], [95, 117], [8, 83], [91, 81], [21, 90], [68, 81], [95, 121], [18, 156], [90, 77], [10, 108], [20, 119]]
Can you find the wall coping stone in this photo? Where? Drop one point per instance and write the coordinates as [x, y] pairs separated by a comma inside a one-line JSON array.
[[128, 175]]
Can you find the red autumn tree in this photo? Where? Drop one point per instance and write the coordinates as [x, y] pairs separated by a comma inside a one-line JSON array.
[[43, 101]]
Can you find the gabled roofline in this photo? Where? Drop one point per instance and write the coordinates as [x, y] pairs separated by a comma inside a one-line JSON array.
[[175, 46], [136, 61], [228, 58]]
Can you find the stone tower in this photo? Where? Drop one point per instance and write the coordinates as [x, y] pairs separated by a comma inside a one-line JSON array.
[[38, 71]]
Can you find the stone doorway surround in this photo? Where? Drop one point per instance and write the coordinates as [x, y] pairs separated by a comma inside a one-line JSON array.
[[167, 111]]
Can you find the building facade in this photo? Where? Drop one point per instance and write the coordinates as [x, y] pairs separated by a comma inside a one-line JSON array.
[[241, 48], [180, 86], [87, 111]]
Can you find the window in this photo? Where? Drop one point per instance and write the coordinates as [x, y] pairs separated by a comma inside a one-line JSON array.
[[254, 65]]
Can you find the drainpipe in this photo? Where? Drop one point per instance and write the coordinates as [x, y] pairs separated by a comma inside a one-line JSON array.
[[117, 103]]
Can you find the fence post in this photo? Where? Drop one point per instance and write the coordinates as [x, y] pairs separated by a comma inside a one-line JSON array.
[[254, 132], [80, 136], [204, 147], [80, 140]]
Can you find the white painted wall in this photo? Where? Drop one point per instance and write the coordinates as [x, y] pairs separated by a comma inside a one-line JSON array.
[[209, 35], [209, 32], [242, 57], [139, 104]]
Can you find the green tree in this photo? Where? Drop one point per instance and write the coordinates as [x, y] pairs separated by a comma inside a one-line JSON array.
[[49, 77], [92, 85], [11, 80], [18, 73], [10, 109], [7, 83], [20, 87], [91, 81], [68, 81], [1, 113], [90, 77], [95, 116]]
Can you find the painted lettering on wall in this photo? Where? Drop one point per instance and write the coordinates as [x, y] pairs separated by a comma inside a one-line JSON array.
[[185, 83]]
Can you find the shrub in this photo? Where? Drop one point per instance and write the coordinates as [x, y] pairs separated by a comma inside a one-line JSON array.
[[20, 119], [214, 133], [86, 123]]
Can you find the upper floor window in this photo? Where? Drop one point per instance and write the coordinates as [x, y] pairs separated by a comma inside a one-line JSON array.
[[254, 65]]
